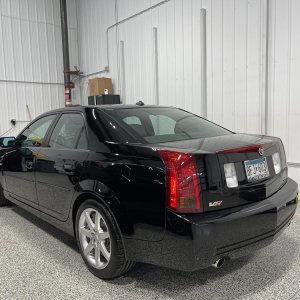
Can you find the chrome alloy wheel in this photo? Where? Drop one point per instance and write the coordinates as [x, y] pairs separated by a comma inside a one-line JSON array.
[[94, 238]]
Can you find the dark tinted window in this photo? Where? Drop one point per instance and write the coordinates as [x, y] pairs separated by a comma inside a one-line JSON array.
[[82, 143], [110, 129], [163, 124], [69, 133], [34, 135]]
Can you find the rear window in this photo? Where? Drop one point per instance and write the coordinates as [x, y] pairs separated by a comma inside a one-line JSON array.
[[163, 124]]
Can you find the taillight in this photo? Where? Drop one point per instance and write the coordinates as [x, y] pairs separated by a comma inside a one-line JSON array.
[[183, 184]]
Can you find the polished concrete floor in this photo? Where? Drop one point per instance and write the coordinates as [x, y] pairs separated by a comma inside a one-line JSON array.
[[38, 261]]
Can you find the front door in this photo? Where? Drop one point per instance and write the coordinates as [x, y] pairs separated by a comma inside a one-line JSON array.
[[19, 162]]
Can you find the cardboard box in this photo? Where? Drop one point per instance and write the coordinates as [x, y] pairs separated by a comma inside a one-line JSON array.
[[98, 85]]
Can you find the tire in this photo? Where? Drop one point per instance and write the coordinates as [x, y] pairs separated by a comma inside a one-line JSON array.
[[101, 249], [3, 200]]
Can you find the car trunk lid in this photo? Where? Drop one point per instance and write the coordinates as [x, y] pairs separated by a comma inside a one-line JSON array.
[[244, 151], [255, 171]]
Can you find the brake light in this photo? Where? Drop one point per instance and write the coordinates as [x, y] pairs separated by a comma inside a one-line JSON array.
[[246, 149], [183, 184]]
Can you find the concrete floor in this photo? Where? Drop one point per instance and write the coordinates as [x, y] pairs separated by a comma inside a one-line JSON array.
[[38, 261]]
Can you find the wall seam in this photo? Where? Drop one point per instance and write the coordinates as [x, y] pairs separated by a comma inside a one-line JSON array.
[[246, 83], [289, 73]]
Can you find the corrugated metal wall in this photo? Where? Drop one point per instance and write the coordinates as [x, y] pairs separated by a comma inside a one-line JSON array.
[[284, 75], [235, 56], [31, 66], [247, 83]]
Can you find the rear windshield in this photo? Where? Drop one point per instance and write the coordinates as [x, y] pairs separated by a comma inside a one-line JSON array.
[[164, 124]]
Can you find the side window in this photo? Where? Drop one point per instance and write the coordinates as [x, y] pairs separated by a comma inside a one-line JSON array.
[[162, 124], [132, 120], [82, 142], [34, 135], [69, 133]]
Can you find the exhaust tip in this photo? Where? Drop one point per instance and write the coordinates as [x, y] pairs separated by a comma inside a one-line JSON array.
[[218, 263]]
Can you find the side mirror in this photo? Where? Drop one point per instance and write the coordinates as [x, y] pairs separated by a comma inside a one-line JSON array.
[[4, 141], [11, 143]]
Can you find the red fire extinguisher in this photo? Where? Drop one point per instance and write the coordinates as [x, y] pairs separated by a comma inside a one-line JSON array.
[[68, 99]]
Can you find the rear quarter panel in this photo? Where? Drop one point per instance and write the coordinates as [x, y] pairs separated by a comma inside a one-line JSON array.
[[131, 181]]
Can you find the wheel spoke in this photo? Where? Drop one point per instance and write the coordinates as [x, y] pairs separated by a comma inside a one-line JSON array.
[[89, 221], [104, 251], [97, 222], [97, 256], [89, 248], [104, 235], [86, 232], [95, 238]]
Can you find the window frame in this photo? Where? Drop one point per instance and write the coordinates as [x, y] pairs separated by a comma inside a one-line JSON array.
[[60, 114], [55, 114]]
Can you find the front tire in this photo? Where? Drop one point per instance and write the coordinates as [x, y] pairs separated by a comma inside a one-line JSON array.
[[3, 200], [99, 241]]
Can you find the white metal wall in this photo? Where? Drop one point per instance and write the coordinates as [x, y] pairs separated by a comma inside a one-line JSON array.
[[247, 82], [284, 74], [31, 65], [235, 55], [243, 77]]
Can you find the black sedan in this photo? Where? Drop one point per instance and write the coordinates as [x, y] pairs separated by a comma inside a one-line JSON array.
[[149, 184]]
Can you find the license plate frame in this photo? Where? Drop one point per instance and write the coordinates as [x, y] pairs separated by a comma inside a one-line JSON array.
[[256, 169]]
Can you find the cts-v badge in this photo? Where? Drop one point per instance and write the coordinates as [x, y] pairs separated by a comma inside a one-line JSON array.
[[216, 203]]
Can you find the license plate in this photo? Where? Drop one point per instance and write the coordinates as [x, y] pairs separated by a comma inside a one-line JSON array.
[[256, 169]]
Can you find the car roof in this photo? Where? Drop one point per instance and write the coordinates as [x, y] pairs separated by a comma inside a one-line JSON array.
[[103, 107]]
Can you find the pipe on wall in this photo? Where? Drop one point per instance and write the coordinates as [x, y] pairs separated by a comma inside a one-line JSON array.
[[106, 68], [123, 87], [65, 48], [30, 82], [203, 63], [155, 50], [293, 164], [267, 68], [123, 21]]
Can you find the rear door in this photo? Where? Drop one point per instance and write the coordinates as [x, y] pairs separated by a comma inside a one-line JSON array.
[[19, 162], [59, 165]]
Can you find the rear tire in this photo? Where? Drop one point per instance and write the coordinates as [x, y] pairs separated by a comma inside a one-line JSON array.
[[3, 200], [99, 241]]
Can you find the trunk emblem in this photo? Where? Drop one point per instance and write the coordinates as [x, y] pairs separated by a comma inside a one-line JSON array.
[[216, 203], [261, 151]]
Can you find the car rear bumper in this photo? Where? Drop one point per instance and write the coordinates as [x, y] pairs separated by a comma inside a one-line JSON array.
[[196, 241]]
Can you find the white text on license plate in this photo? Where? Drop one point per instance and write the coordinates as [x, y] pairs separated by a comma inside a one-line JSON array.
[[256, 169]]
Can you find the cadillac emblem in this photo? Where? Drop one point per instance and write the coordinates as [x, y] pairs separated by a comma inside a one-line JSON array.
[[261, 151]]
